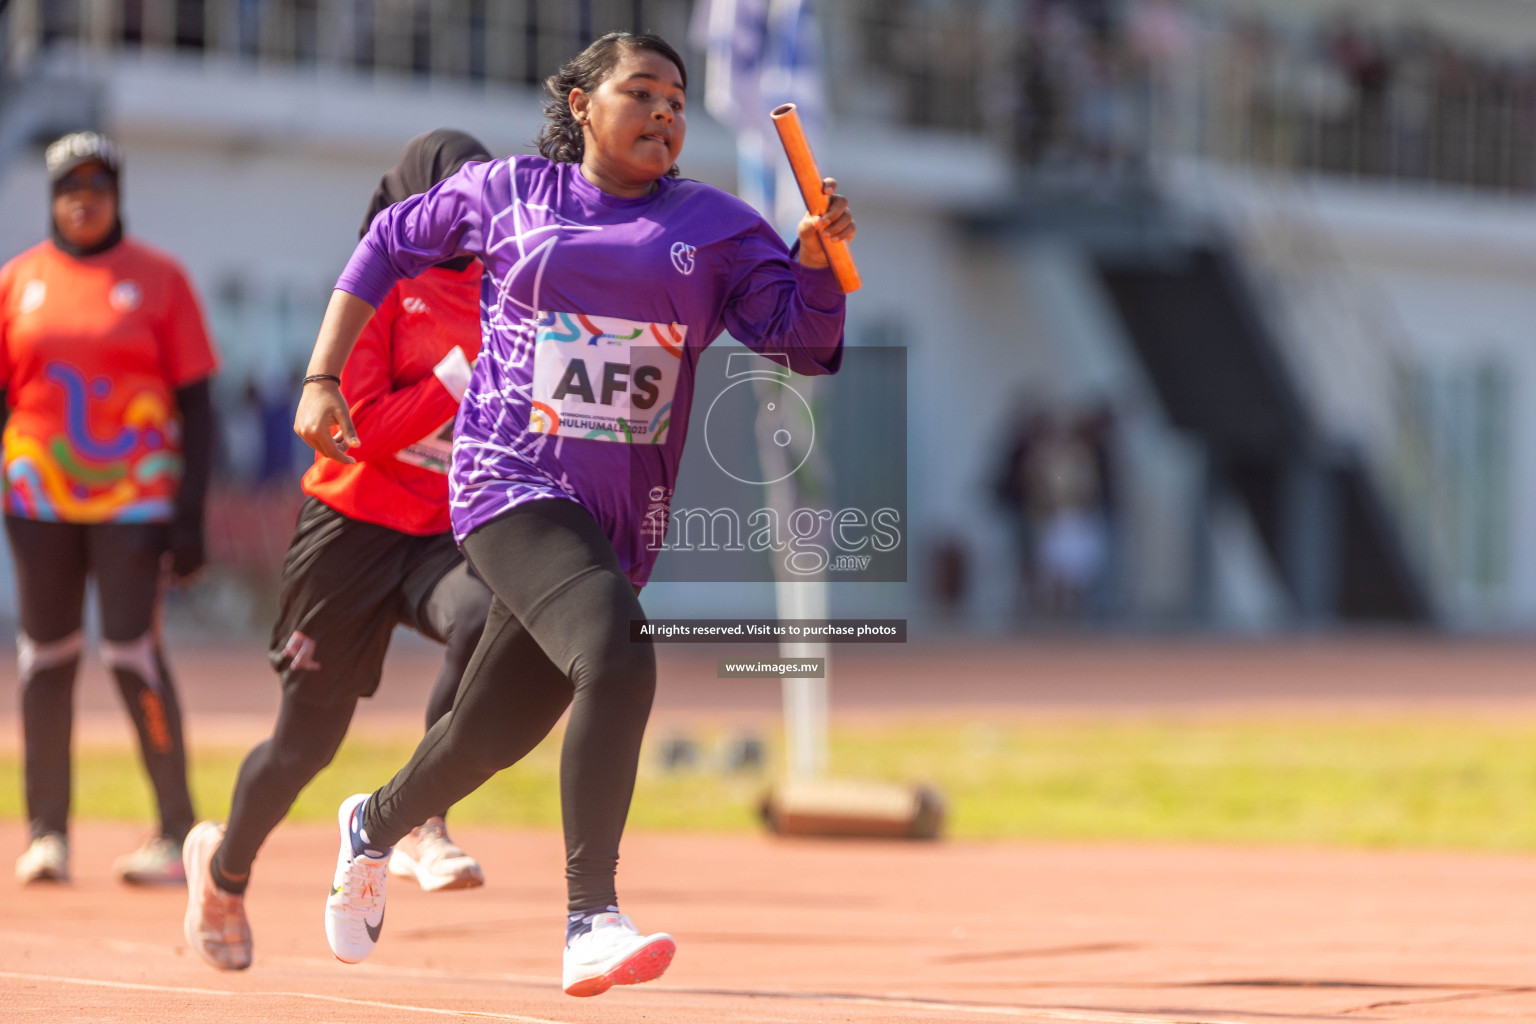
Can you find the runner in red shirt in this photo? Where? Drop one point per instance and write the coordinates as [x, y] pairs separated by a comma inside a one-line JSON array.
[[104, 366], [373, 549]]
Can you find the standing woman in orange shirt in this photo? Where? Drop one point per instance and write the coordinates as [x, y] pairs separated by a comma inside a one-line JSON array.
[[104, 366]]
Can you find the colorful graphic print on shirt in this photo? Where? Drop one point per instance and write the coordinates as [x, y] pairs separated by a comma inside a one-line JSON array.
[[74, 475]]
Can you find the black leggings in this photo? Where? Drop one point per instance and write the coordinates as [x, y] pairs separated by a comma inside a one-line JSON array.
[[309, 732], [53, 561], [557, 636]]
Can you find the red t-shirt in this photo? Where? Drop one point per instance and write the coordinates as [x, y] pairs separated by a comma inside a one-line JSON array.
[[92, 351], [403, 413]]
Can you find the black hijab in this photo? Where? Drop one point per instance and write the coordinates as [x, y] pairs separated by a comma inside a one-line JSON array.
[[112, 237], [427, 160]]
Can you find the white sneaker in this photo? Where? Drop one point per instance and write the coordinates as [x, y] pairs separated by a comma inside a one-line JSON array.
[[354, 912], [215, 924], [45, 860], [614, 953], [157, 862], [434, 860]]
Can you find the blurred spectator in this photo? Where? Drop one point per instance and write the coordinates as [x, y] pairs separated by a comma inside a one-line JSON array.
[[1010, 489], [1099, 430], [1065, 496], [1057, 485], [1036, 104], [241, 433], [948, 576], [252, 510], [248, 20], [107, 450], [282, 460], [1095, 87]]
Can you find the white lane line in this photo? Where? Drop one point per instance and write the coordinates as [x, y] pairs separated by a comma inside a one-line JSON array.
[[165, 950], [914, 1003], [425, 973], [1022, 1012], [189, 990], [429, 973]]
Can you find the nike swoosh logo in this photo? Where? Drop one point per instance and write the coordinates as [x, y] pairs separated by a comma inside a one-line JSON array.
[[373, 930]]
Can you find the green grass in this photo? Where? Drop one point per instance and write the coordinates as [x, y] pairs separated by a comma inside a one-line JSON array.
[[1452, 782]]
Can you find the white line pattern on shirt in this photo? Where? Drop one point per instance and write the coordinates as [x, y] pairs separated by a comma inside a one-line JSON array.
[[503, 455]]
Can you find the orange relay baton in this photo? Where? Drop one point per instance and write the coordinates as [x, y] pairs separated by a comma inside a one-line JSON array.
[[787, 120]]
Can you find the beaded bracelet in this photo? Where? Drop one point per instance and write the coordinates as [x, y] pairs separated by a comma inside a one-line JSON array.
[[323, 376]]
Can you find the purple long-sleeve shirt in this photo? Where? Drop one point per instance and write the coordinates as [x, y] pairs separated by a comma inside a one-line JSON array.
[[594, 309]]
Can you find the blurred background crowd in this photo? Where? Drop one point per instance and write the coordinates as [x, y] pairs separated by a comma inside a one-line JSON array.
[[1380, 90], [1217, 311]]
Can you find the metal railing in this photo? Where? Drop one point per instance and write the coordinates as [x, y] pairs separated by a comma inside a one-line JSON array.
[[1173, 78], [506, 41], [1163, 78]]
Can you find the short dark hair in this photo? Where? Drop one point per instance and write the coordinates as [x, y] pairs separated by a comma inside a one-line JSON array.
[[560, 138]]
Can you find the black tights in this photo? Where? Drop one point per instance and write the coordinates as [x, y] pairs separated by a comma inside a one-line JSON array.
[[53, 561], [558, 635], [308, 733]]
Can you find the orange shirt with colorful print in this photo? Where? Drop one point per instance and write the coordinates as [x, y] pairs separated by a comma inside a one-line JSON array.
[[92, 350]]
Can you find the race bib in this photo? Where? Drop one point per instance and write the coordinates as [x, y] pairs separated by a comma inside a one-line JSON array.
[[434, 452], [600, 378]]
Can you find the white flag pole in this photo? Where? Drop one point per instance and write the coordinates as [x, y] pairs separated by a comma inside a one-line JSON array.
[[796, 595], [805, 700], [763, 53]]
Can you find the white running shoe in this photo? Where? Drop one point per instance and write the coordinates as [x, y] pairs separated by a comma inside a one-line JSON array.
[[354, 912], [435, 861], [45, 860], [612, 953], [215, 924], [157, 862]]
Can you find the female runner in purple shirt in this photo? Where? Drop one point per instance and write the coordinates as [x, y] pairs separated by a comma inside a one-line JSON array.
[[605, 276]]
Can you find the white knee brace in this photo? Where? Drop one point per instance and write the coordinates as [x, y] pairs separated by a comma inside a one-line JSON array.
[[136, 656], [33, 657]]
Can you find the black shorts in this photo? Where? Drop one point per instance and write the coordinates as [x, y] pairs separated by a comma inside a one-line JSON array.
[[346, 585]]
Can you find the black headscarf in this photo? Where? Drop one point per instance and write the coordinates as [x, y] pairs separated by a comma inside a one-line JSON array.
[[427, 160], [112, 237]]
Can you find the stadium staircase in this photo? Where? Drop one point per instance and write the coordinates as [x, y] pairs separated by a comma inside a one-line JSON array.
[[1220, 373]]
